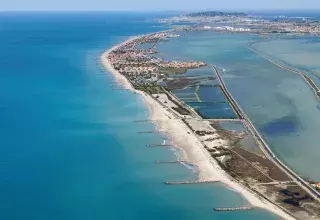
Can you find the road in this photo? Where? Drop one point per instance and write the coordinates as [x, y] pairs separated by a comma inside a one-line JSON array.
[[264, 146]]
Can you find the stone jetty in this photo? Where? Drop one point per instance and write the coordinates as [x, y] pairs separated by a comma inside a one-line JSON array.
[[190, 182], [228, 209]]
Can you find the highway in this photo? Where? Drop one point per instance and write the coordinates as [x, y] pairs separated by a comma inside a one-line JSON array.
[[264, 146]]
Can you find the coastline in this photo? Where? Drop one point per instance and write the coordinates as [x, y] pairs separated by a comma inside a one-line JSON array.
[[183, 138]]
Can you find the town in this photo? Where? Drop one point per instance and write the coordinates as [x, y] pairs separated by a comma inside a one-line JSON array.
[[141, 67], [241, 22]]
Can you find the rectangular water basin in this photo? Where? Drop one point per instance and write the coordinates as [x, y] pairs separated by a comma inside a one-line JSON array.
[[213, 110]]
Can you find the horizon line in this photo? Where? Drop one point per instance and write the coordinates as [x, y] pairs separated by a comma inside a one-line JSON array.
[[159, 10]]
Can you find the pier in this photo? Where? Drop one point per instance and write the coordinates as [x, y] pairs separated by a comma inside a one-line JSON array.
[[170, 161], [116, 87], [159, 145], [190, 182], [230, 209], [142, 121], [120, 89], [147, 132]]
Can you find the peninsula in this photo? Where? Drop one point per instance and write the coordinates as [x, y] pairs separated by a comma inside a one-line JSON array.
[[219, 154]]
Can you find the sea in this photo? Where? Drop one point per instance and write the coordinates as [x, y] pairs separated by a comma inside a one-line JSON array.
[[69, 143]]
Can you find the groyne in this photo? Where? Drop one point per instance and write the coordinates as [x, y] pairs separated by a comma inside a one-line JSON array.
[[190, 182], [159, 145], [170, 161], [228, 209], [147, 132]]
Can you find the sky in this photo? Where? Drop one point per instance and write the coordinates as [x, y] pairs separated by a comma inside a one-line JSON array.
[[114, 5]]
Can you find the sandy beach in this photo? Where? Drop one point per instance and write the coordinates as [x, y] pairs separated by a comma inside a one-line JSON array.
[[193, 150]]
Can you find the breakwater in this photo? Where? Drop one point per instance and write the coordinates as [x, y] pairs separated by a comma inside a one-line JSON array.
[[170, 161], [228, 209], [159, 145], [190, 182], [147, 132]]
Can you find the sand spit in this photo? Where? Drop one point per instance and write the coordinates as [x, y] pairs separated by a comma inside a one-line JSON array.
[[193, 151]]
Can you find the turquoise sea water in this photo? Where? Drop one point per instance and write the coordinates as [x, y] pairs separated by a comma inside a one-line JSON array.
[[69, 148], [279, 102]]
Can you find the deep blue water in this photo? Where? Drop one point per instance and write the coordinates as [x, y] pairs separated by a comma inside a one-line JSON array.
[[68, 146]]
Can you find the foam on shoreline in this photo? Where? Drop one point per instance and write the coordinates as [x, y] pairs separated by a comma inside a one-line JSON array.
[[192, 149]]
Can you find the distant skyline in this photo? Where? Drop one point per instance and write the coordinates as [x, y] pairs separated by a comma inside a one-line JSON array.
[[142, 5]]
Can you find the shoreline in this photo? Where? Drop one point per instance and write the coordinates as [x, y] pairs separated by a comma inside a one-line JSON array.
[[183, 138]]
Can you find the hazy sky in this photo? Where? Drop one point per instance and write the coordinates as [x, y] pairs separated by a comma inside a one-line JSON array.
[[155, 4]]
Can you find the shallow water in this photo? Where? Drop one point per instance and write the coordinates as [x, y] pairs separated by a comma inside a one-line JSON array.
[[69, 148], [232, 126]]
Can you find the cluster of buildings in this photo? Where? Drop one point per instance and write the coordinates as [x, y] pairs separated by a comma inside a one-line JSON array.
[[295, 27], [140, 66], [181, 64], [227, 28], [254, 24]]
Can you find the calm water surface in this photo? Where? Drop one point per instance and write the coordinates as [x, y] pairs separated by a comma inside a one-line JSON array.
[[69, 148]]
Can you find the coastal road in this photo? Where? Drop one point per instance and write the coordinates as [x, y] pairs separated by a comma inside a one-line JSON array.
[[264, 146]]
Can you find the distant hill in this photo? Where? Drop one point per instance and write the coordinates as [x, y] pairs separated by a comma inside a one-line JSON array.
[[215, 13]]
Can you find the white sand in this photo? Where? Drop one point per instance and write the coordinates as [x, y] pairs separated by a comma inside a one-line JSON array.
[[164, 99], [193, 150]]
